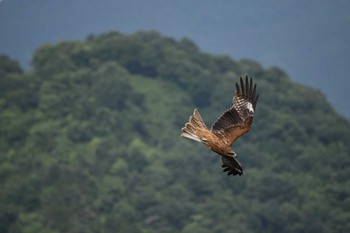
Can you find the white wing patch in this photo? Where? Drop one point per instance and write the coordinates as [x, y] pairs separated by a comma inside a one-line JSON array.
[[250, 107]]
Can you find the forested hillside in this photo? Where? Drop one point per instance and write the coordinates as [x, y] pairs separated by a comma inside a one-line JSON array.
[[90, 143]]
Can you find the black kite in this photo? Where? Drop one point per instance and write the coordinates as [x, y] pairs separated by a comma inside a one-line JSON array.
[[232, 124]]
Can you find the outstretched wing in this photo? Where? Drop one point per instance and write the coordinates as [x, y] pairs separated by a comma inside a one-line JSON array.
[[245, 98], [231, 166], [237, 120]]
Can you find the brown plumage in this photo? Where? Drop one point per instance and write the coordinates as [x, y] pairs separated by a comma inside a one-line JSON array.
[[232, 124]]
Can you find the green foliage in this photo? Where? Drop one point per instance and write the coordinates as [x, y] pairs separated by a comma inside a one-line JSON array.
[[7, 66], [89, 142]]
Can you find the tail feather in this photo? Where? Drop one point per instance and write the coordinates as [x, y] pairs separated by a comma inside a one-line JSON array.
[[194, 124]]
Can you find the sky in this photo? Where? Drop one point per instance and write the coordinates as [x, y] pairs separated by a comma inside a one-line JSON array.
[[307, 39]]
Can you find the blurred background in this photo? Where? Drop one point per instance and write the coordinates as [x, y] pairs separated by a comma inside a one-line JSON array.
[[307, 39], [94, 93]]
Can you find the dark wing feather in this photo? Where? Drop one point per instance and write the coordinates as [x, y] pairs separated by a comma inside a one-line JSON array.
[[227, 120], [231, 166], [232, 133], [237, 120]]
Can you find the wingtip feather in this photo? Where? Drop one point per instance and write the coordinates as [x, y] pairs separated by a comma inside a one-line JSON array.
[[237, 89], [242, 87], [246, 87], [251, 89]]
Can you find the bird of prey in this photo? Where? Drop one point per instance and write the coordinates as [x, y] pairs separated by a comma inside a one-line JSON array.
[[232, 124]]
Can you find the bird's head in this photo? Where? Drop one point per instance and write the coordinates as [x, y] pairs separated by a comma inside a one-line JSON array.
[[232, 153]]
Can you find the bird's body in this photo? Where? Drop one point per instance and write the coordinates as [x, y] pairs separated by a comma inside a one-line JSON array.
[[232, 124]]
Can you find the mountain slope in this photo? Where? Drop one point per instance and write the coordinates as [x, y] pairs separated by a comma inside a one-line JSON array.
[[90, 143]]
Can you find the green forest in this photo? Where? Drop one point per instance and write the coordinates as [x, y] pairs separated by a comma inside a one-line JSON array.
[[90, 142]]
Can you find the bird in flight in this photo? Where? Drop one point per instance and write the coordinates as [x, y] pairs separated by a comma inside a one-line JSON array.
[[232, 124]]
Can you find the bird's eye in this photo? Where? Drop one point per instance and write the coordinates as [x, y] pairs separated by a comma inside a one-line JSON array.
[[231, 153]]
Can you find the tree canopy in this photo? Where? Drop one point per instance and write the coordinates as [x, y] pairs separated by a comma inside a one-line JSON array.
[[90, 143]]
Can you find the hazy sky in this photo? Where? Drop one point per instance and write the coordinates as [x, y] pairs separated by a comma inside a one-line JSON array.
[[308, 39]]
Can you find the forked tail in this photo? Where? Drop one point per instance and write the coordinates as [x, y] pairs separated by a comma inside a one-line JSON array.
[[194, 127]]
